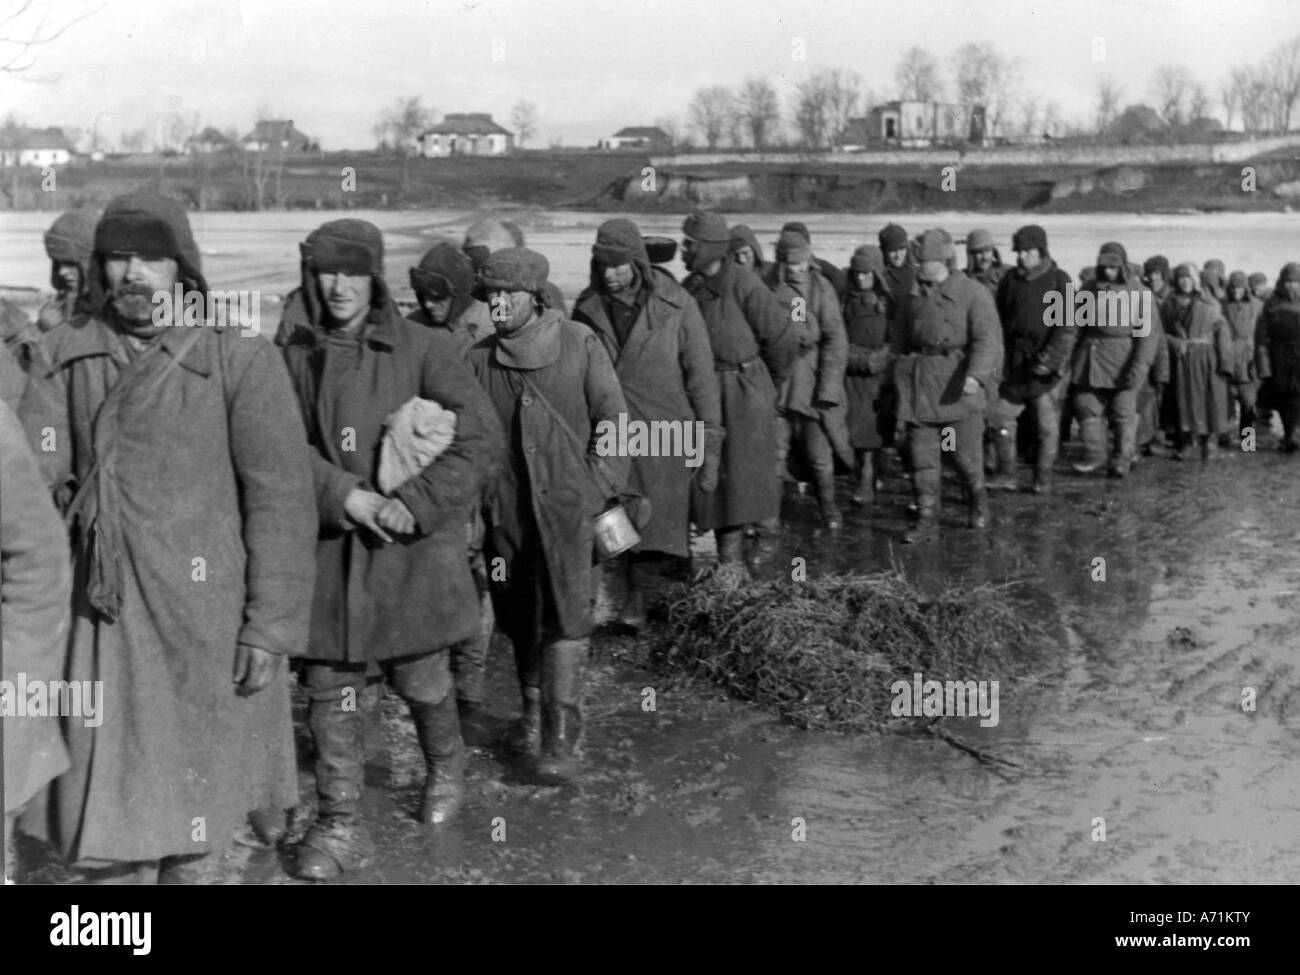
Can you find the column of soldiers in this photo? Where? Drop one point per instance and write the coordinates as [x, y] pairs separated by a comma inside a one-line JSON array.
[[359, 501]]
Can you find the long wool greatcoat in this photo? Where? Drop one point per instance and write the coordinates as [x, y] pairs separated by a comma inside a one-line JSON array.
[[203, 499], [946, 335], [1278, 350], [753, 347], [817, 372], [35, 596], [1199, 348], [544, 492], [868, 323], [1026, 337], [1115, 356], [373, 600], [1243, 320], [666, 371]]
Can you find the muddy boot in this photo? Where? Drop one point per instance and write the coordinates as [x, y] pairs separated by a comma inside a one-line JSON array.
[[437, 726], [831, 518], [525, 736], [865, 484], [926, 527], [338, 840], [475, 726], [1093, 434], [977, 518], [766, 541], [563, 670], [1043, 467], [269, 825], [731, 545], [1004, 446], [197, 870]]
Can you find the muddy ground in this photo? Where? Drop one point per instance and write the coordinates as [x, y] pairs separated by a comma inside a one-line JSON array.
[[1136, 718]]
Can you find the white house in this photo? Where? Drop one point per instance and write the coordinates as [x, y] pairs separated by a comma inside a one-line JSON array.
[[277, 134], [466, 134], [917, 123], [20, 146], [648, 137]]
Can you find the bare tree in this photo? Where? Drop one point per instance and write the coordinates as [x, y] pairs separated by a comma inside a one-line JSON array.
[[1052, 120], [842, 97], [1229, 98], [1198, 102], [759, 111], [917, 76], [985, 77], [671, 127], [31, 24], [711, 111], [524, 118], [1109, 94], [810, 112], [1253, 95], [1282, 68], [1029, 114], [1171, 85], [400, 128]]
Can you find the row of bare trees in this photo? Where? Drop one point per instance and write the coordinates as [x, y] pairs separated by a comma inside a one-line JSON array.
[[819, 110], [1263, 95]]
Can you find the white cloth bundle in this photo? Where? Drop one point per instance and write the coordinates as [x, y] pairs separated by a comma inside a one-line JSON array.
[[414, 437]]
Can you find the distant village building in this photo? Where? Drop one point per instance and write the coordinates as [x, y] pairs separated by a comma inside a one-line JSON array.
[[277, 134], [207, 142], [648, 137], [914, 124], [21, 146], [466, 134]]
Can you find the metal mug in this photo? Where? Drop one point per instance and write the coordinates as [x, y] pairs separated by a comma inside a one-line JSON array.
[[615, 532]]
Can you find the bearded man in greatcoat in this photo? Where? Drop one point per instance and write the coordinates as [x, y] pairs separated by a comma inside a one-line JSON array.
[[193, 526]]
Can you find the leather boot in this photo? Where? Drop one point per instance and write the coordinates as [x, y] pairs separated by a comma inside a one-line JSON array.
[[525, 737], [1004, 445], [338, 840], [926, 527], [1092, 431], [866, 484], [437, 726], [1043, 470], [978, 518], [832, 520], [564, 664], [731, 544], [767, 539]]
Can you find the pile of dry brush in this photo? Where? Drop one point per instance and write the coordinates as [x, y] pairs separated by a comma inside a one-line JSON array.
[[824, 653]]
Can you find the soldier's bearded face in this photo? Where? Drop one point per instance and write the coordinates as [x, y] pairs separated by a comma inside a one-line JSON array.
[[1185, 285], [896, 257], [1292, 290], [744, 255], [866, 280], [618, 278], [688, 250], [1156, 280], [511, 310], [132, 281], [797, 271], [1238, 293], [984, 259]]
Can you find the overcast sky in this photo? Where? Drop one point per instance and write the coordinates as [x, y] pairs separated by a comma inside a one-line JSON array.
[[591, 68]]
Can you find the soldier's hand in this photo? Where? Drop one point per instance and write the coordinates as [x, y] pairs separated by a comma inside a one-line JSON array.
[[971, 386], [396, 517], [254, 669], [1042, 370], [363, 507]]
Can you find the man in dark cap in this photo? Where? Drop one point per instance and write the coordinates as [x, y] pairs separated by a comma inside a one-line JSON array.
[[489, 235], [652, 330], [745, 248], [552, 385], [190, 592], [753, 347], [1112, 360], [899, 275], [983, 262], [1241, 310], [393, 586], [1155, 274], [951, 354], [836, 276], [1258, 281], [811, 400], [443, 283], [1278, 352], [1037, 358]]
